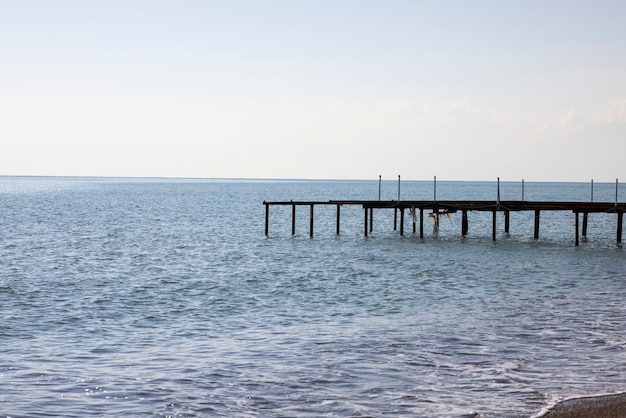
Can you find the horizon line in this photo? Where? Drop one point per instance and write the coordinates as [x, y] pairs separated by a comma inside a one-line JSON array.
[[496, 179]]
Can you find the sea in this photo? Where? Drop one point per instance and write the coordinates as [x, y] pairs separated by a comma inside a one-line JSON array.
[[148, 297]]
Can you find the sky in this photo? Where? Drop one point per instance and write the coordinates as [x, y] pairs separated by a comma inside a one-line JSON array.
[[318, 89]]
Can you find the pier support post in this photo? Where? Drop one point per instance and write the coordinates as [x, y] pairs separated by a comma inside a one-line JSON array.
[[576, 227], [267, 218], [311, 222], [421, 223], [507, 216], [537, 215], [464, 223], [371, 219], [493, 233], [365, 222], [338, 217], [585, 216], [293, 219], [395, 219], [401, 221], [620, 216]]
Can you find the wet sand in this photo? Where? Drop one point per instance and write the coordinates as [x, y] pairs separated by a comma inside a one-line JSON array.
[[612, 406]]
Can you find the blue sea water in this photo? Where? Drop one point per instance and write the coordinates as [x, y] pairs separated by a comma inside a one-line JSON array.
[[160, 297]]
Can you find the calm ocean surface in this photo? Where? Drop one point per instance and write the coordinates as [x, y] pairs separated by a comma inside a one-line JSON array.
[[149, 297]]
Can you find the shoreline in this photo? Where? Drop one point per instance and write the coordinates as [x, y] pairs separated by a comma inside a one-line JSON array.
[[602, 406]]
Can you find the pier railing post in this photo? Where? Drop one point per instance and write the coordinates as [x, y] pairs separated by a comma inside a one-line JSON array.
[[498, 204], [398, 188]]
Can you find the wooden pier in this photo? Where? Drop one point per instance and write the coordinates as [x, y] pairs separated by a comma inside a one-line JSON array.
[[442, 208]]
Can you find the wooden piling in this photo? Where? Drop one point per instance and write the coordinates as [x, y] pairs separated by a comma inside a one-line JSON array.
[[464, 207], [464, 223], [537, 215], [395, 219], [507, 216], [620, 216], [576, 228], [267, 218]]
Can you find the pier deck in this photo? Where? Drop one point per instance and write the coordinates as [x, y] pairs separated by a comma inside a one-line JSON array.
[[448, 206]]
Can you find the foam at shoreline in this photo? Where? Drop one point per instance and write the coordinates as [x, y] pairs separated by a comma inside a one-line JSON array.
[[604, 406]]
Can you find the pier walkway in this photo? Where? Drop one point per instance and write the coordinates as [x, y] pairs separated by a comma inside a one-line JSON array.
[[442, 208]]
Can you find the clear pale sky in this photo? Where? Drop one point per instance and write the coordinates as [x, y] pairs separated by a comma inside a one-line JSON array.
[[465, 90]]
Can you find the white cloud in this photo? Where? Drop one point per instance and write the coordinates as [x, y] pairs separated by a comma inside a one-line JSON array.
[[455, 138], [612, 112]]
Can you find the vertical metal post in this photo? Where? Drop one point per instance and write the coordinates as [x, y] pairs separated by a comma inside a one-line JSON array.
[[365, 216], [338, 217], [592, 190], [398, 187], [585, 216], [498, 203], [401, 221], [522, 190], [371, 219], [620, 215], [421, 223], [311, 222], [435, 189], [293, 219], [379, 182]]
